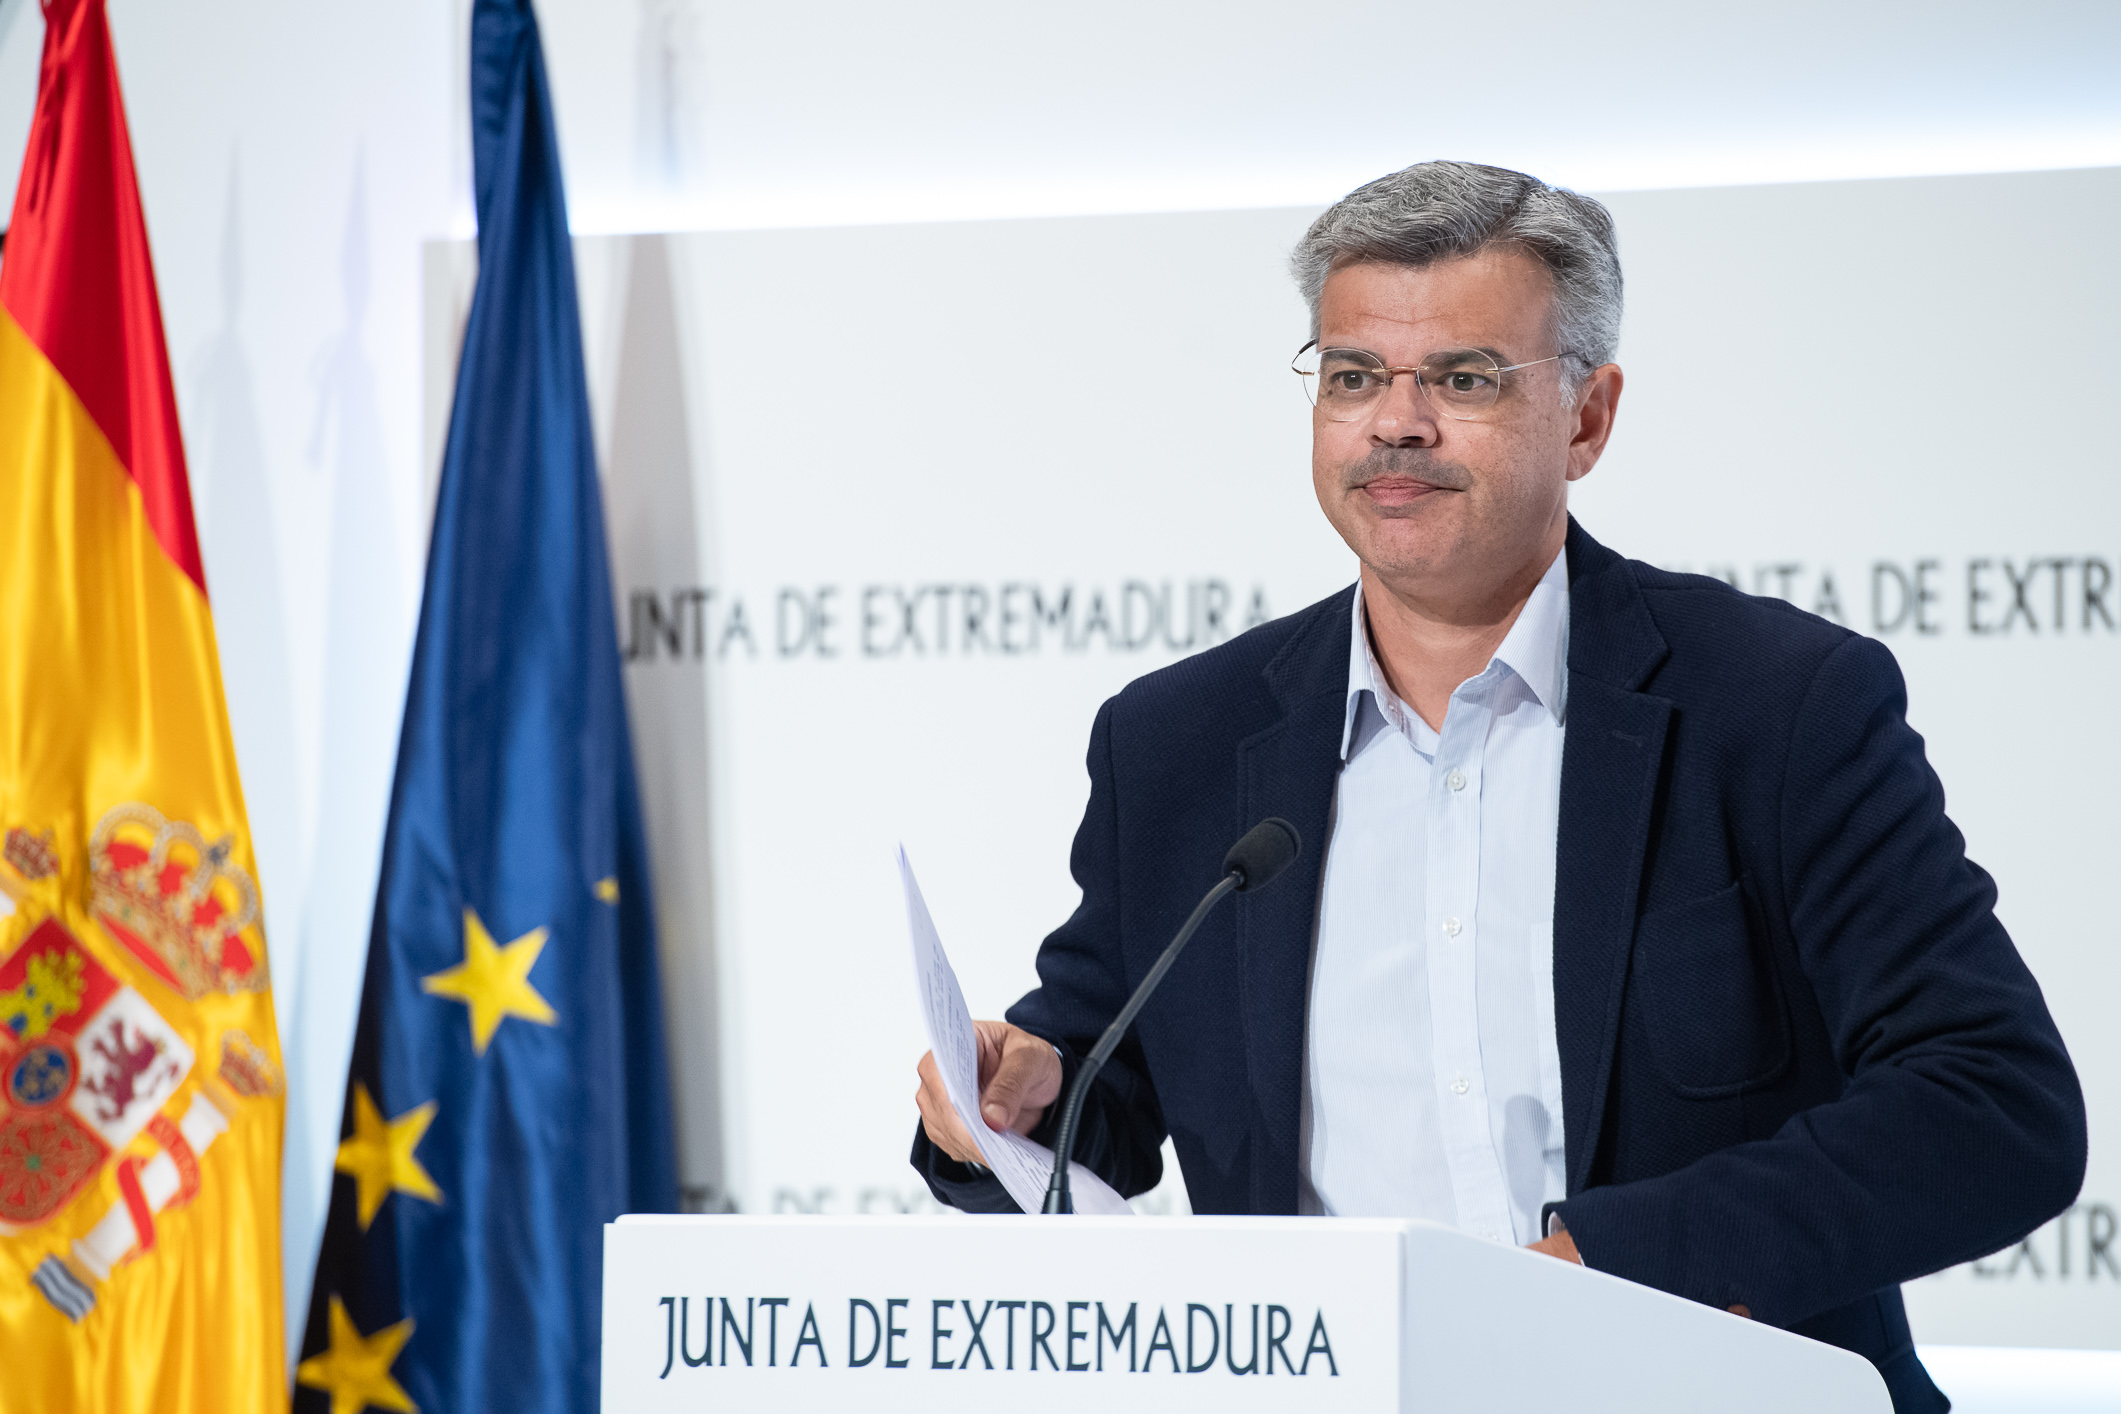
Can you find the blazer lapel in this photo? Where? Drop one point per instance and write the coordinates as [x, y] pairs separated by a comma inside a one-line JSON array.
[[1611, 762], [1289, 769]]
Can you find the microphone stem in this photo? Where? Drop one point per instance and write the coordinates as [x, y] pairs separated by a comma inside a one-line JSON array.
[[1058, 1199]]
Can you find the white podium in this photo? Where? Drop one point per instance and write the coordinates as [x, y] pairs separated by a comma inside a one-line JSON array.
[[1168, 1314]]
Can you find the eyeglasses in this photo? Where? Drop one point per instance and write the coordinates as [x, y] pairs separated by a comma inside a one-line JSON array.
[[1346, 384]]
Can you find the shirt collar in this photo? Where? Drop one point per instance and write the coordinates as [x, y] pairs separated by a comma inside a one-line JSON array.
[[1536, 649], [1537, 645]]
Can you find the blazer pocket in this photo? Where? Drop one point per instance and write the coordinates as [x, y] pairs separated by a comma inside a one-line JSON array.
[[1711, 1005]]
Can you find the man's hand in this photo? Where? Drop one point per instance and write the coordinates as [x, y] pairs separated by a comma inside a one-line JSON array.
[[1019, 1075], [1559, 1245]]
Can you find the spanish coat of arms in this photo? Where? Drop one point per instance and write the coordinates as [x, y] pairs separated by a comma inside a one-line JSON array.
[[88, 1063]]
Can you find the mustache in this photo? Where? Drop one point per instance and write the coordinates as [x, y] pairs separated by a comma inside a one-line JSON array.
[[1417, 462]]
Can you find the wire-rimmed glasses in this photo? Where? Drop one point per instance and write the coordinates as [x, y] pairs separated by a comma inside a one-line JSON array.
[[1346, 384]]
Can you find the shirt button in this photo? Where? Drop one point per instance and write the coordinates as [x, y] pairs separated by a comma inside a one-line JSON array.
[[1459, 1086], [1456, 780], [1450, 927]]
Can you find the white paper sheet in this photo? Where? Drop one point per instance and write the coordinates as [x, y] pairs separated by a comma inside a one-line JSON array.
[[1023, 1167]]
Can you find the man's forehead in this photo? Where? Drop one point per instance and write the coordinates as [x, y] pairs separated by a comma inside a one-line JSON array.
[[1495, 297]]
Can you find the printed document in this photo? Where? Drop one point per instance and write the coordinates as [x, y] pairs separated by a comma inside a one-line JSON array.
[[1023, 1167]]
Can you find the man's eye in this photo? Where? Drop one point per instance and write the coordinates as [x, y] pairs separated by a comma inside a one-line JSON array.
[[1351, 381]]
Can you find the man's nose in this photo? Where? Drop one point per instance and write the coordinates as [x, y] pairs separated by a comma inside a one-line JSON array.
[[1404, 416]]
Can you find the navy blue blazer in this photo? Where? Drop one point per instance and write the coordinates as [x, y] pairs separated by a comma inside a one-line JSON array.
[[1801, 1060]]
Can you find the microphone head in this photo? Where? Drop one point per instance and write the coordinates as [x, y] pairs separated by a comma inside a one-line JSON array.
[[1267, 848]]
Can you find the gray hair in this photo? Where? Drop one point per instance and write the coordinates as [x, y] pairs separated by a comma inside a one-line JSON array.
[[1444, 210]]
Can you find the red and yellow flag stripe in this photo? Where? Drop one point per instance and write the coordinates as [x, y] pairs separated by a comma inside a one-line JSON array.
[[141, 1101]]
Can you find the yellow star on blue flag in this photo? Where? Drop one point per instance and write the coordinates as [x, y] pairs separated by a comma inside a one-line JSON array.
[[493, 981], [355, 1369]]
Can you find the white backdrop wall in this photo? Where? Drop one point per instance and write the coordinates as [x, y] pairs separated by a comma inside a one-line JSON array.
[[293, 158], [892, 511]]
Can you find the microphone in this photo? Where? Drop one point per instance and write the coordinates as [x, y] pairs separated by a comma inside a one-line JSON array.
[[1266, 849]]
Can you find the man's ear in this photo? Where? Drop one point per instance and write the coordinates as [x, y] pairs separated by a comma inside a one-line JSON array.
[[1597, 401]]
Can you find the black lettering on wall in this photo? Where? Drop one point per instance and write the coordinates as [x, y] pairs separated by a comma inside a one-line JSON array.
[[699, 599], [1165, 607], [2060, 566], [1886, 579], [973, 600], [1977, 594], [2005, 595], [791, 622], [2097, 577], [1926, 595], [734, 627], [2020, 586], [1013, 618], [822, 623], [887, 1200], [1137, 628], [649, 626], [871, 620], [942, 593], [2099, 1241], [1096, 620], [1059, 615], [2058, 1242], [1009, 618], [669, 632], [1257, 614], [669, 1339], [910, 618], [1826, 603], [1215, 608]]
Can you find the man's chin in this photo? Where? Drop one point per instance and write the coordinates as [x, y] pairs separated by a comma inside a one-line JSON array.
[[1398, 548]]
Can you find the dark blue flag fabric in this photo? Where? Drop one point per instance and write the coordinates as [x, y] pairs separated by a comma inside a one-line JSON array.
[[508, 1092]]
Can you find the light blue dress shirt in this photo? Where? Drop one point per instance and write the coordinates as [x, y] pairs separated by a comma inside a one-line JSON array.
[[1432, 1077]]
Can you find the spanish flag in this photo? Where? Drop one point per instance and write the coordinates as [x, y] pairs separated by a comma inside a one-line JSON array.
[[140, 1085]]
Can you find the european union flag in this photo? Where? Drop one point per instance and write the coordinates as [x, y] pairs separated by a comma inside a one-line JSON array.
[[508, 1092]]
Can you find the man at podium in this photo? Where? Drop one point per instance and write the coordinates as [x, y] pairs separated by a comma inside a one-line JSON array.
[[1629, 924]]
